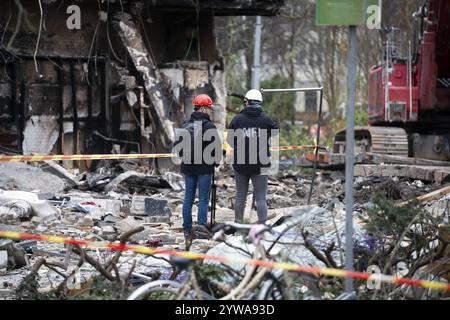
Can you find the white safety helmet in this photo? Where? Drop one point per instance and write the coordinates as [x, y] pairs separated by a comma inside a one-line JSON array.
[[254, 95]]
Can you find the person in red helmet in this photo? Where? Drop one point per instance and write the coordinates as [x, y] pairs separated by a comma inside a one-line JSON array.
[[202, 101], [196, 169]]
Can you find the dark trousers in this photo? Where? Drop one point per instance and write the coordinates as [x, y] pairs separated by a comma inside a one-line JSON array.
[[259, 183]]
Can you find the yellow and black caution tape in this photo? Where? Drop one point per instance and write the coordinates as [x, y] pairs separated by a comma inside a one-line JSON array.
[[34, 158], [20, 158]]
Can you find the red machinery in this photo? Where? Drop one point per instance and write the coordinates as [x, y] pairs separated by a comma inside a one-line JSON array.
[[409, 97]]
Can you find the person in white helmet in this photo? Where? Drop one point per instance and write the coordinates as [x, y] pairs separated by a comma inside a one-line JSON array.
[[249, 123]]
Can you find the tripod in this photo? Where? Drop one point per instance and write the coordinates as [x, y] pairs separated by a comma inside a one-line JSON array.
[[213, 198]]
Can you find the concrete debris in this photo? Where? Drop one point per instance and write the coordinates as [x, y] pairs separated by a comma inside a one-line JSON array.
[[323, 227], [121, 200], [175, 180], [14, 210], [136, 180], [86, 222], [138, 205], [97, 181], [36, 221], [156, 208], [426, 173], [20, 202], [129, 223], [108, 230], [337, 160], [109, 218], [28, 245], [15, 254], [113, 185], [3, 261], [5, 292], [24, 177], [59, 171]]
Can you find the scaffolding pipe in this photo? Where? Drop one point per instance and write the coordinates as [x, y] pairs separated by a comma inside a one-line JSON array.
[[256, 72], [293, 89]]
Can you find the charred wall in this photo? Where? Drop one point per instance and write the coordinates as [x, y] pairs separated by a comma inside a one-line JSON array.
[[126, 78]]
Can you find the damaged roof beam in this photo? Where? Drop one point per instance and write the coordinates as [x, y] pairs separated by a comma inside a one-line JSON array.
[[133, 42], [222, 7], [48, 56]]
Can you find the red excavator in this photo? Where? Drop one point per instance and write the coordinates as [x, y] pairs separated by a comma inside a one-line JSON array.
[[409, 97]]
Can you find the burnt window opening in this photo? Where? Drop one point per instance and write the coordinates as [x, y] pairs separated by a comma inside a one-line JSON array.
[[191, 44], [182, 37]]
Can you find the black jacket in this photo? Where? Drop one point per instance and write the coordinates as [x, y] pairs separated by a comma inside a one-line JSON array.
[[250, 120], [203, 168]]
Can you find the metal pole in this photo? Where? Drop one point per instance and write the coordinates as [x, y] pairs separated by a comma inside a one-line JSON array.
[[316, 151], [386, 84], [256, 83], [380, 5], [349, 158]]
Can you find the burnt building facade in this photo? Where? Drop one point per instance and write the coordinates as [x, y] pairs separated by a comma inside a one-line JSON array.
[[86, 77]]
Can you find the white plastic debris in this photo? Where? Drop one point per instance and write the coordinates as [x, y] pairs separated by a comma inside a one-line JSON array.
[[15, 201], [14, 210]]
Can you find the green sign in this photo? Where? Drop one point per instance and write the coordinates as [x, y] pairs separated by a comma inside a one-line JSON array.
[[342, 12]]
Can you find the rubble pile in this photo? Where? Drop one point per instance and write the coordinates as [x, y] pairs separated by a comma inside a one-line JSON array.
[[20, 176], [119, 198]]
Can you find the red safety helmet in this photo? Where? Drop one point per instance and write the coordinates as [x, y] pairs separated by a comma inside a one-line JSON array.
[[203, 100]]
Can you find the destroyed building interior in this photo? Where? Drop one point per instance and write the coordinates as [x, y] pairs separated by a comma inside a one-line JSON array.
[[121, 84], [85, 91]]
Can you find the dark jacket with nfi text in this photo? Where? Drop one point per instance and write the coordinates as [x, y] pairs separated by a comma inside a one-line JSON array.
[[251, 119]]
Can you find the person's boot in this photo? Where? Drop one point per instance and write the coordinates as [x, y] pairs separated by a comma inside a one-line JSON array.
[[187, 234]]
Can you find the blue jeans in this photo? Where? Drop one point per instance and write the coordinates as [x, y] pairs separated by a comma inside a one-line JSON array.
[[204, 187]]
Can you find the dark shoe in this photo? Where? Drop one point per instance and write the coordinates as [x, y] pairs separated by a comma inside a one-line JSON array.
[[187, 234]]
